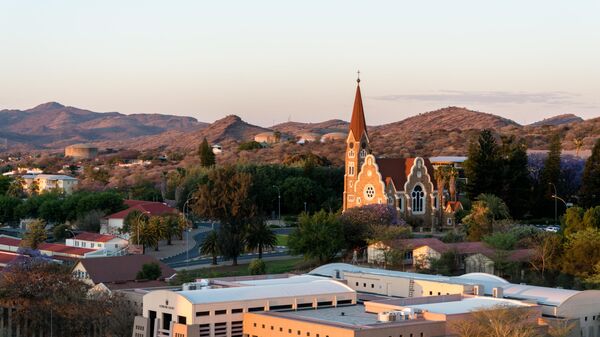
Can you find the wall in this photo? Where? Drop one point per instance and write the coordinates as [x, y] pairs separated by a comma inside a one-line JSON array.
[[401, 287]]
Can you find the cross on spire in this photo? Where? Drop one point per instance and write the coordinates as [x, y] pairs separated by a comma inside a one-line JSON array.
[[358, 76]]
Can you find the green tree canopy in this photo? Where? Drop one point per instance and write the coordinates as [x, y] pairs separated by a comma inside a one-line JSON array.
[[210, 246], [590, 184], [207, 157], [317, 237], [259, 236], [483, 165], [582, 252], [149, 271], [36, 234]]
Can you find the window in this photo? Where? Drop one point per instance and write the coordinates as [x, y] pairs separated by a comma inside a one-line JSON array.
[[418, 199], [401, 203], [92, 245], [256, 309], [351, 154], [236, 311], [390, 200], [220, 312], [350, 169], [202, 313], [369, 192], [357, 284], [362, 153]]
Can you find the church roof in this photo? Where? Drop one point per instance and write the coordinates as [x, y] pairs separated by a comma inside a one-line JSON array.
[[358, 125], [398, 169]]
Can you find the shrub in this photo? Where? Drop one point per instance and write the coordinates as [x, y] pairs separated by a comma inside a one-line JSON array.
[[257, 267]]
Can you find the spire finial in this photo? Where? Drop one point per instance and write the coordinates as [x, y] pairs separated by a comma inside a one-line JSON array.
[[358, 76]]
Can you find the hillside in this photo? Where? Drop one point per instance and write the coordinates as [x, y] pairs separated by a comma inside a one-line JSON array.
[[294, 128], [558, 120], [53, 125]]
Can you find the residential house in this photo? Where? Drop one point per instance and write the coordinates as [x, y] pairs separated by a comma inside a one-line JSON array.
[[119, 272], [113, 223], [98, 241], [52, 250], [49, 182]]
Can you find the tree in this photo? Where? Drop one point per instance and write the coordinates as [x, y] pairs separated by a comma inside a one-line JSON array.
[[257, 267], [501, 240], [318, 236], [550, 177], [34, 188], [500, 321], [448, 264], [61, 232], [5, 182], [485, 212], [358, 223], [482, 167], [441, 176], [573, 220], [591, 217], [546, 249], [226, 197], [582, 252], [259, 236], [149, 271], [515, 187], [210, 246], [207, 157], [250, 145], [36, 234], [8, 208], [590, 184], [156, 230], [91, 221], [16, 188], [298, 190]]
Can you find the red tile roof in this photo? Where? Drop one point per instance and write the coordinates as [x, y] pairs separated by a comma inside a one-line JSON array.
[[136, 284], [120, 268], [9, 241], [62, 249], [6, 258], [358, 125], [95, 237], [453, 206], [151, 207], [398, 169]]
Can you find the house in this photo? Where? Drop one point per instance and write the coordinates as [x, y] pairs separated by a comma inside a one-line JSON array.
[[473, 256], [119, 272], [406, 184], [49, 182], [97, 241], [113, 223], [52, 250]]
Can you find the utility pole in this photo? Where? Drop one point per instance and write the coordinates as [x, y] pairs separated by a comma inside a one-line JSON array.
[[278, 201], [555, 205]]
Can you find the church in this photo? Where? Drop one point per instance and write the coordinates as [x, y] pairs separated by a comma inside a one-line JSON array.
[[407, 184]]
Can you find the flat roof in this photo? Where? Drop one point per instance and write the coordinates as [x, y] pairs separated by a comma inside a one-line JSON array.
[[284, 280], [265, 292], [467, 305]]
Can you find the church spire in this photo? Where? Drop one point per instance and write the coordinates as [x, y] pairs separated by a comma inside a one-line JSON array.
[[358, 126]]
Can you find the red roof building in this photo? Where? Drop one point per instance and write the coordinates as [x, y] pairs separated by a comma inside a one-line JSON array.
[[114, 222]]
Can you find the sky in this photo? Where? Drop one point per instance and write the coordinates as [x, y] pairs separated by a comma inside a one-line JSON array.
[[274, 61]]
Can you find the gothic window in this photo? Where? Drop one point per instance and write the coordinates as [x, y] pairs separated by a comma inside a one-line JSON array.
[[369, 192], [401, 203], [351, 154], [363, 153], [390, 200], [418, 199], [351, 169]]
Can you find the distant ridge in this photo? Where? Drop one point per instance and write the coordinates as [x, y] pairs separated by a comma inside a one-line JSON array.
[[558, 120]]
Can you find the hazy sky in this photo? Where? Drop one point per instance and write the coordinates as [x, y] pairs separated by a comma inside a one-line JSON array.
[[268, 61]]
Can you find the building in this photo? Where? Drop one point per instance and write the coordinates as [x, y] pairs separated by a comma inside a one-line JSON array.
[[98, 241], [407, 184], [113, 223], [416, 317], [308, 137], [49, 182], [419, 252], [119, 272], [580, 307], [81, 151], [52, 250], [219, 312], [269, 137], [333, 137]]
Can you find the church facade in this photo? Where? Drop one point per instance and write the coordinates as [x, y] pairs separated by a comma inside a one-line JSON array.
[[406, 184]]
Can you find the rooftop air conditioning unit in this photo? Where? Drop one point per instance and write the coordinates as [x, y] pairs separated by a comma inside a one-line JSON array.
[[386, 316]]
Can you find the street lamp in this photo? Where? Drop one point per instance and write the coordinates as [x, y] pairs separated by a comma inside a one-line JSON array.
[[555, 204], [278, 201]]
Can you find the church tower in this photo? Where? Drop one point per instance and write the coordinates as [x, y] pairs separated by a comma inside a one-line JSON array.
[[357, 148]]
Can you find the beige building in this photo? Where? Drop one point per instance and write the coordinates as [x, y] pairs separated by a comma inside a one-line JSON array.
[[558, 304], [416, 317], [219, 312], [49, 182]]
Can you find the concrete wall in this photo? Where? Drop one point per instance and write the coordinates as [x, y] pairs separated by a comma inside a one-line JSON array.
[[401, 287]]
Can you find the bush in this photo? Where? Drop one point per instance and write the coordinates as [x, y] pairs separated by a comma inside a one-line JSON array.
[[150, 271], [257, 267], [251, 145]]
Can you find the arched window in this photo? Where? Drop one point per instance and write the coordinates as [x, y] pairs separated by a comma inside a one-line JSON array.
[[351, 154], [418, 199], [362, 153]]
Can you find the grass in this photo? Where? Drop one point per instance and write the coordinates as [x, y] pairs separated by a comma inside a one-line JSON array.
[[273, 267], [282, 240]]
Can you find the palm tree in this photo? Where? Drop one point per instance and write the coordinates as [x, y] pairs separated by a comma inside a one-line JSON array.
[[260, 236], [210, 246], [578, 145], [158, 229], [441, 176]]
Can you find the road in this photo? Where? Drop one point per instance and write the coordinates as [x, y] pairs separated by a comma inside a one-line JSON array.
[[179, 260]]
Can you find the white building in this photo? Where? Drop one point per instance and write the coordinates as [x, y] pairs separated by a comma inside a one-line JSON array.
[[97, 241], [218, 312], [48, 182]]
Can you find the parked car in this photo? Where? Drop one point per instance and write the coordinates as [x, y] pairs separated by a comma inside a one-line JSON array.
[[553, 229]]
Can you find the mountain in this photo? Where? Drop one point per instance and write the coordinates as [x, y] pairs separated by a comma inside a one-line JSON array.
[[53, 125], [558, 120]]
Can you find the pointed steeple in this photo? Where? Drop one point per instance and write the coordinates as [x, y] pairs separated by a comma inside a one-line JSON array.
[[358, 126]]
